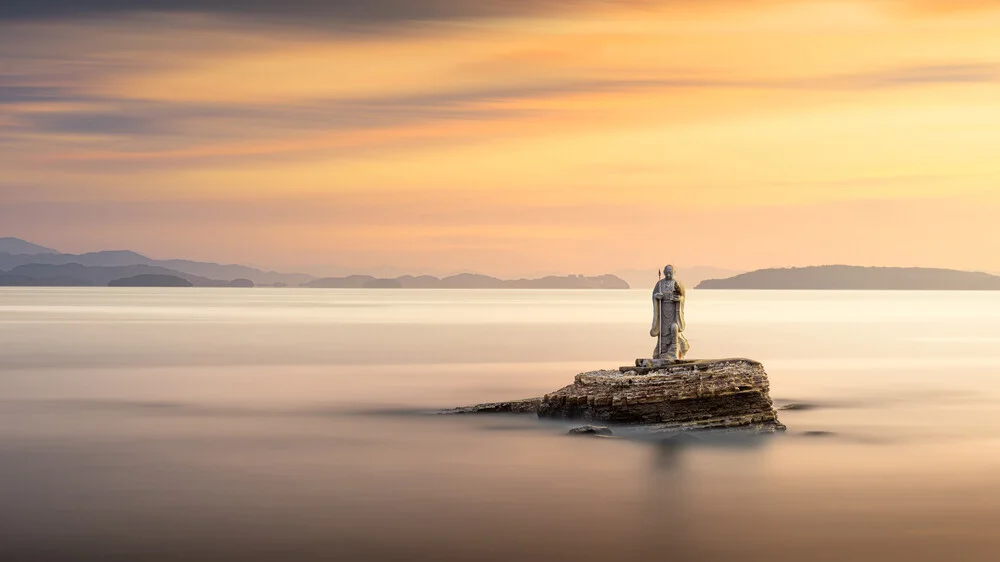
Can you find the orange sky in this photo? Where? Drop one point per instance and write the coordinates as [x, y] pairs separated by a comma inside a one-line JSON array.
[[509, 138]]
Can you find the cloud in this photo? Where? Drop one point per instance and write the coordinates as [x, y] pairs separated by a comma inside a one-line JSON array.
[[338, 10], [940, 6], [132, 117], [92, 131], [93, 122], [955, 73], [19, 94]]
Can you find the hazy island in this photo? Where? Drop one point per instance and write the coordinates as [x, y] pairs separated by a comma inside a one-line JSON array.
[[469, 281], [855, 278], [24, 264], [76, 275], [151, 280]]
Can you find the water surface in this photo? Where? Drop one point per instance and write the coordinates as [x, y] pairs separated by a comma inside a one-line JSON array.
[[286, 424]]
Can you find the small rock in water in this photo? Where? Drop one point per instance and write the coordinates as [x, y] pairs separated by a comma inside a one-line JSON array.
[[590, 430], [818, 434], [797, 406]]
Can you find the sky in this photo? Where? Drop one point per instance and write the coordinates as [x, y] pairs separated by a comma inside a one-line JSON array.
[[509, 137]]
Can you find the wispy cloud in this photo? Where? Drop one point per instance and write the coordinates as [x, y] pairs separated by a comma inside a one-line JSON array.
[[930, 74], [340, 10], [10, 94], [212, 130], [344, 124]]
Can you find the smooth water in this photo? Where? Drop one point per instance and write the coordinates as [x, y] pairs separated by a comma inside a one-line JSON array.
[[286, 424]]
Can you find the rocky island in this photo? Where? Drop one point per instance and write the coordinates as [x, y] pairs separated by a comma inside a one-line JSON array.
[[719, 394], [666, 393]]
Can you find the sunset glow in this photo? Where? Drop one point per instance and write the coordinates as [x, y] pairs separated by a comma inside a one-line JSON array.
[[571, 137]]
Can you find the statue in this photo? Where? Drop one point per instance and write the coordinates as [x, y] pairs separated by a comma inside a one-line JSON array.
[[668, 318]]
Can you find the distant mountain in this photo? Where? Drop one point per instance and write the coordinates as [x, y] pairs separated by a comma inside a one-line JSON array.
[[48, 267], [419, 282], [119, 258], [847, 277], [691, 276], [469, 281], [151, 280], [12, 280], [569, 282], [349, 282], [383, 284], [76, 275], [234, 271], [16, 246]]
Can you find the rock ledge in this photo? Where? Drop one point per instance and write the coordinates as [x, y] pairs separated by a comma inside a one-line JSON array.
[[724, 394], [527, 406]]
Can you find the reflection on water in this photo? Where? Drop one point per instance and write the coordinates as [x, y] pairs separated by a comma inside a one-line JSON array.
[[168, 424]]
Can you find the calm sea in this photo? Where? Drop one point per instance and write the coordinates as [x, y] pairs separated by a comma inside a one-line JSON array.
[[285, 425]]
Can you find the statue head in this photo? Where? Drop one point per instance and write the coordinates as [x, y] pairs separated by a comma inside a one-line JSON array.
[[668, 272]]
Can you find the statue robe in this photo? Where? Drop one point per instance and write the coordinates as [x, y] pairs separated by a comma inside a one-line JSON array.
[[668, 321]]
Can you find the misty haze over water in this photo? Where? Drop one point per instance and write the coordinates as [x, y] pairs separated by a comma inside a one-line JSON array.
[[288, 424]]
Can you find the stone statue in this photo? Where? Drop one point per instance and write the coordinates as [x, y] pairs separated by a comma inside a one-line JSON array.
[[668, 318]]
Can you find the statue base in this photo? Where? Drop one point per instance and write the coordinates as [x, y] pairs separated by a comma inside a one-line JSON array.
[[643, 366]]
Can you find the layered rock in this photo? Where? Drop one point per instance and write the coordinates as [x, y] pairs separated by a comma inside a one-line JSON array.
[[692, 395], [527, 406], [708, 394]]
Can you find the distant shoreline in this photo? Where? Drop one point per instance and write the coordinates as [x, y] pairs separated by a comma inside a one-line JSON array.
[[24, 264], [76, 275], [856, 278], [469, 281]]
